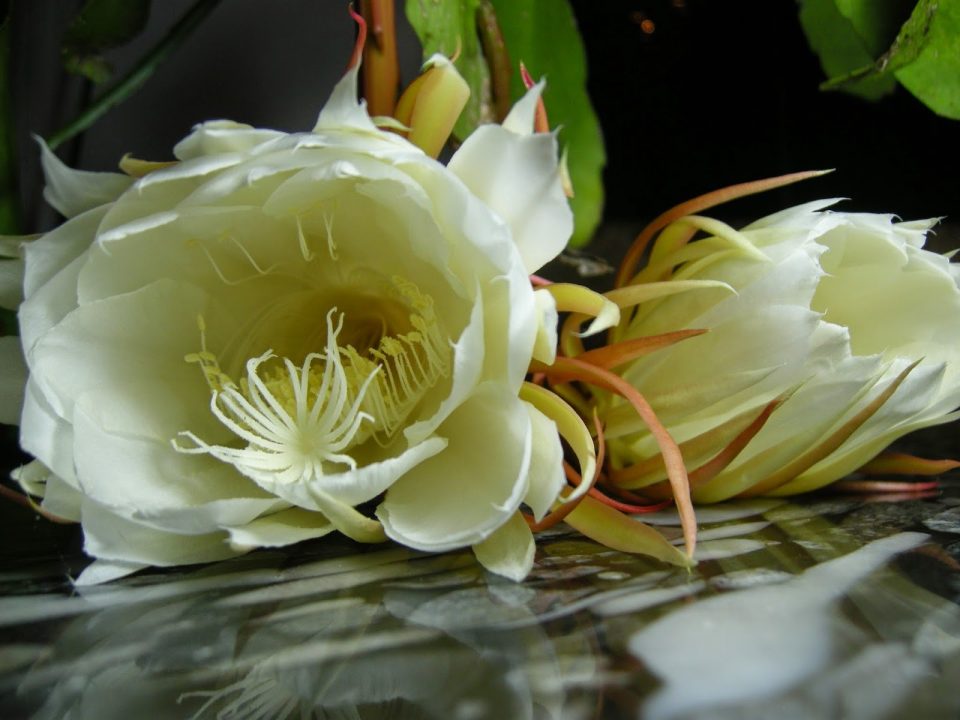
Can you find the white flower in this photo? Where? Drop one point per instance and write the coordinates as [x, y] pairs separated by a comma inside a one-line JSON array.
[[238, 349], [837, 328]]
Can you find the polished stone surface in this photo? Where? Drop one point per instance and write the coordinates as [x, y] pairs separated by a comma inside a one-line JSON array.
[[832, 606]]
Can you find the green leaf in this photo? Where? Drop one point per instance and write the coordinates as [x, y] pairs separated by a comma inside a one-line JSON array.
[[934, 75], [101, 25], [863, 53], [449, 26], [841, 47], [543, 35], [877, 24]]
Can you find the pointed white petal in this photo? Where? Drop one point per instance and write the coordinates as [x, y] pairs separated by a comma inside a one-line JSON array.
[[509, 551], [518, 177], [342, 110], [521, 117], [72, 192]]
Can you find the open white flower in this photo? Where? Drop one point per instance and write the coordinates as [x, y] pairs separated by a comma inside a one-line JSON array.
[[828, 336], [238, 349]]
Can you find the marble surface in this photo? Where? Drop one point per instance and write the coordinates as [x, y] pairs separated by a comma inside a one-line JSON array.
[[831, 606]]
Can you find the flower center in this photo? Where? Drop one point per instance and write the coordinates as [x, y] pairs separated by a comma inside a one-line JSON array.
[[299, 422]]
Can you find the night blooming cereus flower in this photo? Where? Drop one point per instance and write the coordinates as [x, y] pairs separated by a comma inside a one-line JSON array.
[[791, 352], [238, 349]]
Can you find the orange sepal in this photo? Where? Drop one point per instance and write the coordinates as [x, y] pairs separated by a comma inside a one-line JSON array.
[[610, 356], [632, 257], [572, 368]]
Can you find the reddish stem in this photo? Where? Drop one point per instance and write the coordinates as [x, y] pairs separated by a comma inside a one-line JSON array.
[[361, 38]]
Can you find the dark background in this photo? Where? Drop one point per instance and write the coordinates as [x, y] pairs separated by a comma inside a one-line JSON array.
[[723, 92], [720, 92]]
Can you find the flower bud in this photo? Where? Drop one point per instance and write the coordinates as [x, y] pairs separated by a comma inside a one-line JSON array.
[[432, 103], [828, 336]]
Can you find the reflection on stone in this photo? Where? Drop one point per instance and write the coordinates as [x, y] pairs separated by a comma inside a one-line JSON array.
[[947, 521], [753, 643], [783, 617]]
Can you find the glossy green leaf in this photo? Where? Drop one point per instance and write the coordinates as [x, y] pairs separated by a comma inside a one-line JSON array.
[[543, 35], [450, 27], [865, 50], [934, 76], [877, 24], [841, 48]]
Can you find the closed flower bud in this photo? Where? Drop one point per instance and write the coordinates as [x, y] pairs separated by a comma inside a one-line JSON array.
[[825, 336]]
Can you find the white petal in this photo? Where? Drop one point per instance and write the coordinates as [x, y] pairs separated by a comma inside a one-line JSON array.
[[468, 361], [104, 571], [546, 463], [509, 551], [279, 529], [144, 478], [45, 434], [50, 304], [107, 536], [209, 516], [342, 110], [13, 380], [51, 253], [32, 477], [59, 498], [517, 339], [460, 496], [545, 346], [518, 177], [353, 487], [62, 499], [522, 115], [72, 192], [222, 136]]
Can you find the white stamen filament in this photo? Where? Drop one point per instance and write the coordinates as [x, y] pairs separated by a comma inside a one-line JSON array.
[[291, 444], [298, 421]]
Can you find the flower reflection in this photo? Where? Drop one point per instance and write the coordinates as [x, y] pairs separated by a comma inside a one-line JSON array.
[[362, 653], [788, 611]]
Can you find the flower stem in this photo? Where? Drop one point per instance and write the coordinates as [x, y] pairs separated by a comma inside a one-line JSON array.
[[381, 68], [138, 75]]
